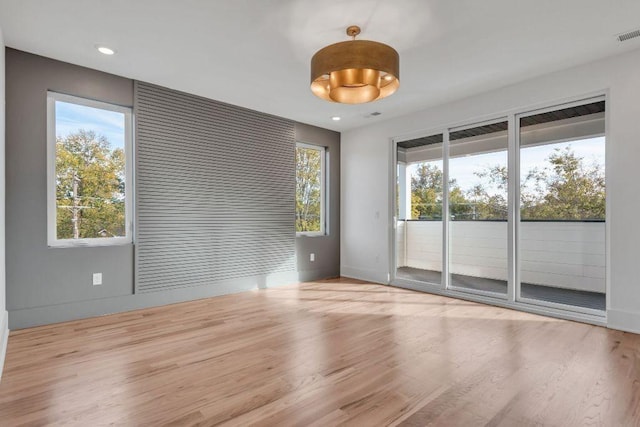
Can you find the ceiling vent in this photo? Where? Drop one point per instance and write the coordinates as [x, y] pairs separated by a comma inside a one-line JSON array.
[[629, 35]]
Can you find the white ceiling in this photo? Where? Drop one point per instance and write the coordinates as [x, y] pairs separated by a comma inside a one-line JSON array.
[[256, 53]]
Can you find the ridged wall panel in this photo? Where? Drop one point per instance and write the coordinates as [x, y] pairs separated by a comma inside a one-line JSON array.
[[214, 191]]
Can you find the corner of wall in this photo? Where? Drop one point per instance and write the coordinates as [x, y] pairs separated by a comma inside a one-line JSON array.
[[366, 275], [326, 249], [4, 338], [4, 322], [627, 321]]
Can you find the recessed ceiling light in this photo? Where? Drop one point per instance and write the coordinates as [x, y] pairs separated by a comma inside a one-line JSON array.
[[335, 118], [105, 50]]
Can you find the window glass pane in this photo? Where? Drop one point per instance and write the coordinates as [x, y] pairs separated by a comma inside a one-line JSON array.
[[419, 207], [562, 207], [426, 190], [309, 189], [478, 255], [89, 172], [563, 181]]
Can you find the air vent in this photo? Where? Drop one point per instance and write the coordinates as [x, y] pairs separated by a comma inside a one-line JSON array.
[[630, 35]]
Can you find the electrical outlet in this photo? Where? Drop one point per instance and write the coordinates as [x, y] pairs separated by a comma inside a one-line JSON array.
[[97, 279], [312, 257]]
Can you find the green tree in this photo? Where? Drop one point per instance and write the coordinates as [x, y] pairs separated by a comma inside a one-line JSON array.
[[566, 189], [89, 187], [459, 206], [308, 189], [490, 204], [426, 192]]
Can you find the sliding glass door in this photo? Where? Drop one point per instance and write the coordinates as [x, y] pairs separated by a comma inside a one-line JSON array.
[[419, 190], [512, 208], [478, 171], [562, 207]]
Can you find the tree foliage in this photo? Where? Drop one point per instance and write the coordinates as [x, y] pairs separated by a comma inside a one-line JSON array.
[[426, 192], [308, 189], [86, 163], [485, 204], [565, 189]]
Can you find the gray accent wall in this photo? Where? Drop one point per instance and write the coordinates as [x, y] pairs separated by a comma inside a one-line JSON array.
[[47, 285], [38, 275]]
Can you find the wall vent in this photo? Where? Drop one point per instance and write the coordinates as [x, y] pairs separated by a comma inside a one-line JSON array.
[[629, 35]]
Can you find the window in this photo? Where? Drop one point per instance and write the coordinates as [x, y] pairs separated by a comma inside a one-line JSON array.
[[563, 207], [512, 208], [478, 193], [310, 189], [88, 172], [420, 199]]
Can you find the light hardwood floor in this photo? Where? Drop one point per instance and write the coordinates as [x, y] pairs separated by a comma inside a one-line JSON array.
[[323, 353]]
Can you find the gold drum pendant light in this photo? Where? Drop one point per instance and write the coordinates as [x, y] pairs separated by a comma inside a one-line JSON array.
[[356, 71]]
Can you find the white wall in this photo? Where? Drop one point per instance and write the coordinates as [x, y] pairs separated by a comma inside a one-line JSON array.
[[568, 255], [366, 164], [4, 321]]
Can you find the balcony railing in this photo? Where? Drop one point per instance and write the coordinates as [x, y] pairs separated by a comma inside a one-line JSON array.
[[560, 254]]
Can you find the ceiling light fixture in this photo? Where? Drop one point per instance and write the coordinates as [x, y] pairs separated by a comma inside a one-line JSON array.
[[105, 50], [335, 118], [356, 71]]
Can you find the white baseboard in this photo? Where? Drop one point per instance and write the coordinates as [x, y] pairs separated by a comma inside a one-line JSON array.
[[4, 338], [628, 321], [368, 275]]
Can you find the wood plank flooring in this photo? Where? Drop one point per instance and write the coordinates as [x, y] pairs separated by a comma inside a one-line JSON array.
[[339, 352]]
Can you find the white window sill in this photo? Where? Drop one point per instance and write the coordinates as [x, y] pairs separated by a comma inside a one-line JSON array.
[[90, 243]]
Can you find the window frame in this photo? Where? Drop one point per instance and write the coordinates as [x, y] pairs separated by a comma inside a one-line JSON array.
[[323, 189], [52, 238], [512, 300]]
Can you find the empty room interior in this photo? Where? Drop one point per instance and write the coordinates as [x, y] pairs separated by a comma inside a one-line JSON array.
[[301, 213]]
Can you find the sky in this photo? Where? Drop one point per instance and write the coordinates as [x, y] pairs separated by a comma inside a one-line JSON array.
[[462, 168], [72, 117]]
